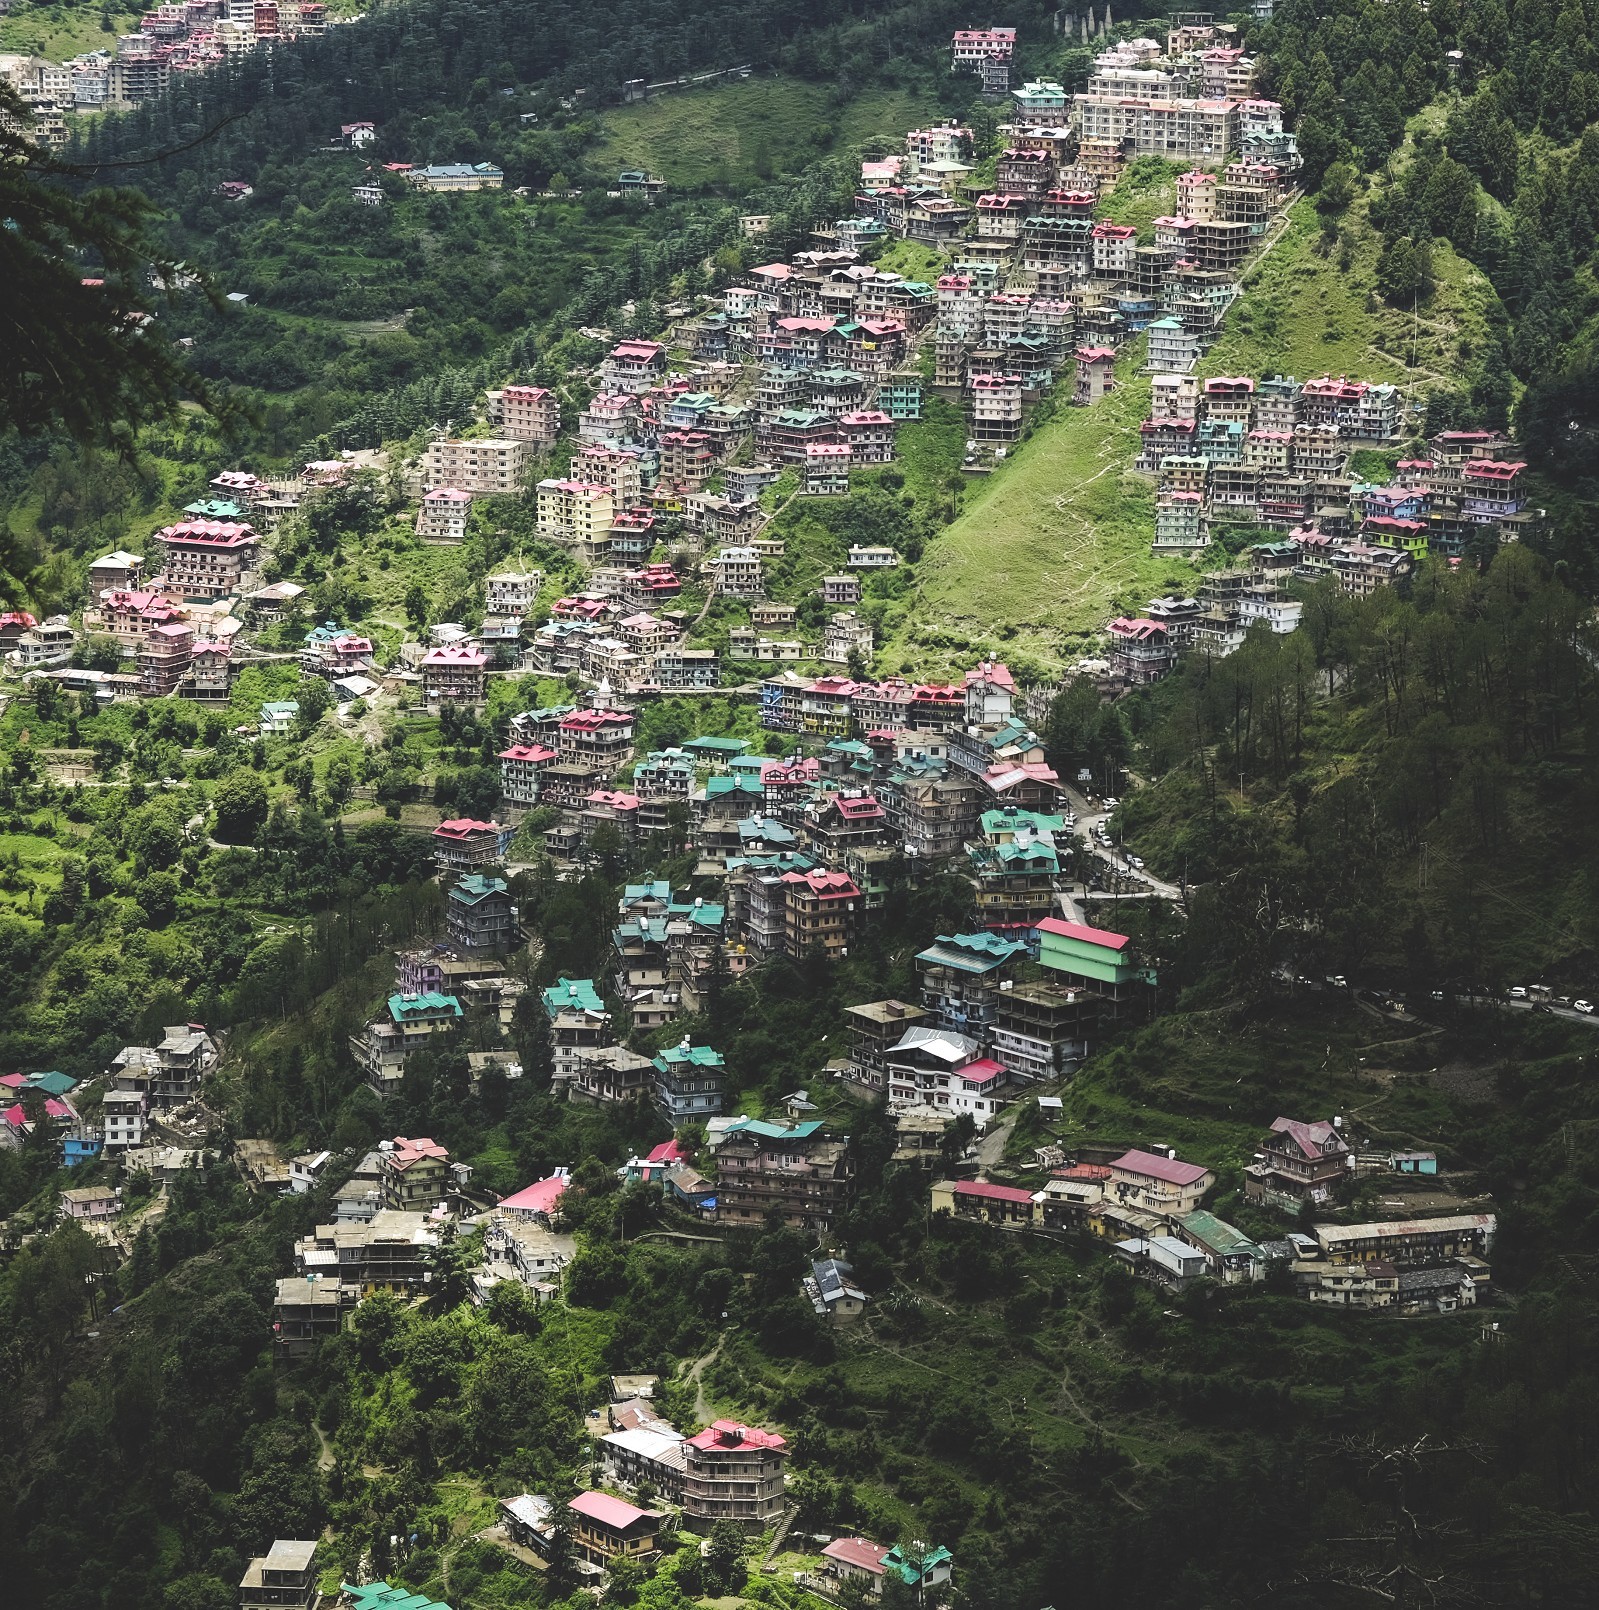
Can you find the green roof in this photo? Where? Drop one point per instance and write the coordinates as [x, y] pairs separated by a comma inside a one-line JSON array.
[[700, 1056], [52, 1083], [428, 1004], [576, 993], [733, 783], [380, 1596], [1009, 818], [1220, 1236], [657, 889], [475, 887], [972, 953], [765, 1131]]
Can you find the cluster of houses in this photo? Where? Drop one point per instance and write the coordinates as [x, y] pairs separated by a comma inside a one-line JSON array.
[[1146, 1204], [1363, 535], [1039, 285], [174, 37], [1276, 452]]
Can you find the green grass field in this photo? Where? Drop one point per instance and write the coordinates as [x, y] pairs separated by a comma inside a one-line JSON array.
[[731, 137], [1056, 542], [60, 32]]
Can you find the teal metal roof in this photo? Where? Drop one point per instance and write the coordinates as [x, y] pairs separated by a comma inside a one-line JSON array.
[[405, 1008], [765, 1131], [578, 994]]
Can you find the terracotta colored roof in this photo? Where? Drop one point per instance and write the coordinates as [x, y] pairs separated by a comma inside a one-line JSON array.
[[1170, 1169], [608, 1511], [992, 1193]]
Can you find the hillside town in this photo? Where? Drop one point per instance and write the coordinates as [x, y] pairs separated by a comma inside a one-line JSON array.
[[676, 1085]]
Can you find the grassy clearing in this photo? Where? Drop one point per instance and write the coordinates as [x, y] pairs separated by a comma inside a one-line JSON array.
[[59, 33], [1057, 541], [731, 137], [1145, 192]]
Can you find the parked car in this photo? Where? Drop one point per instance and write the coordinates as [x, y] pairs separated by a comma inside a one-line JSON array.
[[1337, 981], [1518, 992], [1136, 861], [1585, 1007]]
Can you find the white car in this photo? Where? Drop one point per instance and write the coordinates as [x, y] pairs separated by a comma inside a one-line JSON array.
[[1585, 1007], [1136, 861], [1518, 992]]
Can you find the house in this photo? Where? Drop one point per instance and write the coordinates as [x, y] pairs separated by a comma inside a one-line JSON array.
[[455, 672], [635, 1455], [443, 514], [306, 1169], [734, 1472], [463, 844], [538, 1202], [1162, 1259], [801, 1171], [415, 1176], [606, 1528], [90, 1203], [530, 414], [1230, 1256], [455, 177], [870, 1564], [832, 1291], [688, 1082], [1158, 1183], [284, 1578], [484, 467], [1409, 1243], [480, 916], [1298, 1162], [982, 1200]]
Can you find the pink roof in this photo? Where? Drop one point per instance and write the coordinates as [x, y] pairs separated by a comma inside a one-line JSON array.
[[1078, 930], [461, 827], [208, 534], [669, 1151], [1309, 1138], [536, 753], [608, 1511], [456, 654], [16, 1117], [986, 1192], [539, 1197], [735, 1434], [981, 1072], [858, 1552], [406, 1152], [1170, 1169]]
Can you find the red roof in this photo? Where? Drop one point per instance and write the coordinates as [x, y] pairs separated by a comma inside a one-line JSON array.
[[539, 1197], [735, 1434], [608, 1511], [461, 827], [1310, 1138], [669, 1151], [456, 654], [1081, 931], [859, 1552], [981, 1072], [986, 1192], [1170, 1169], [536, 753], [406, 1152]]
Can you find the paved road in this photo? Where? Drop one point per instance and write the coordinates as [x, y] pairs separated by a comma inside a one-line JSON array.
[[1088, 818]]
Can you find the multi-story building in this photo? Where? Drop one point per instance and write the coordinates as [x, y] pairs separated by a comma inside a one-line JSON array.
[[800, 1171], [578, 515], [415, 1174], [480, 916], [409, 1021], [443, 514], [165, 655], [489, 467], [1298, 1161], [455, 672], [735, 573], [462, 844], [995, 401], [205, 559], [284, 1578], [733, 1472], [530, 414], [960, 977], [688, 1082]]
